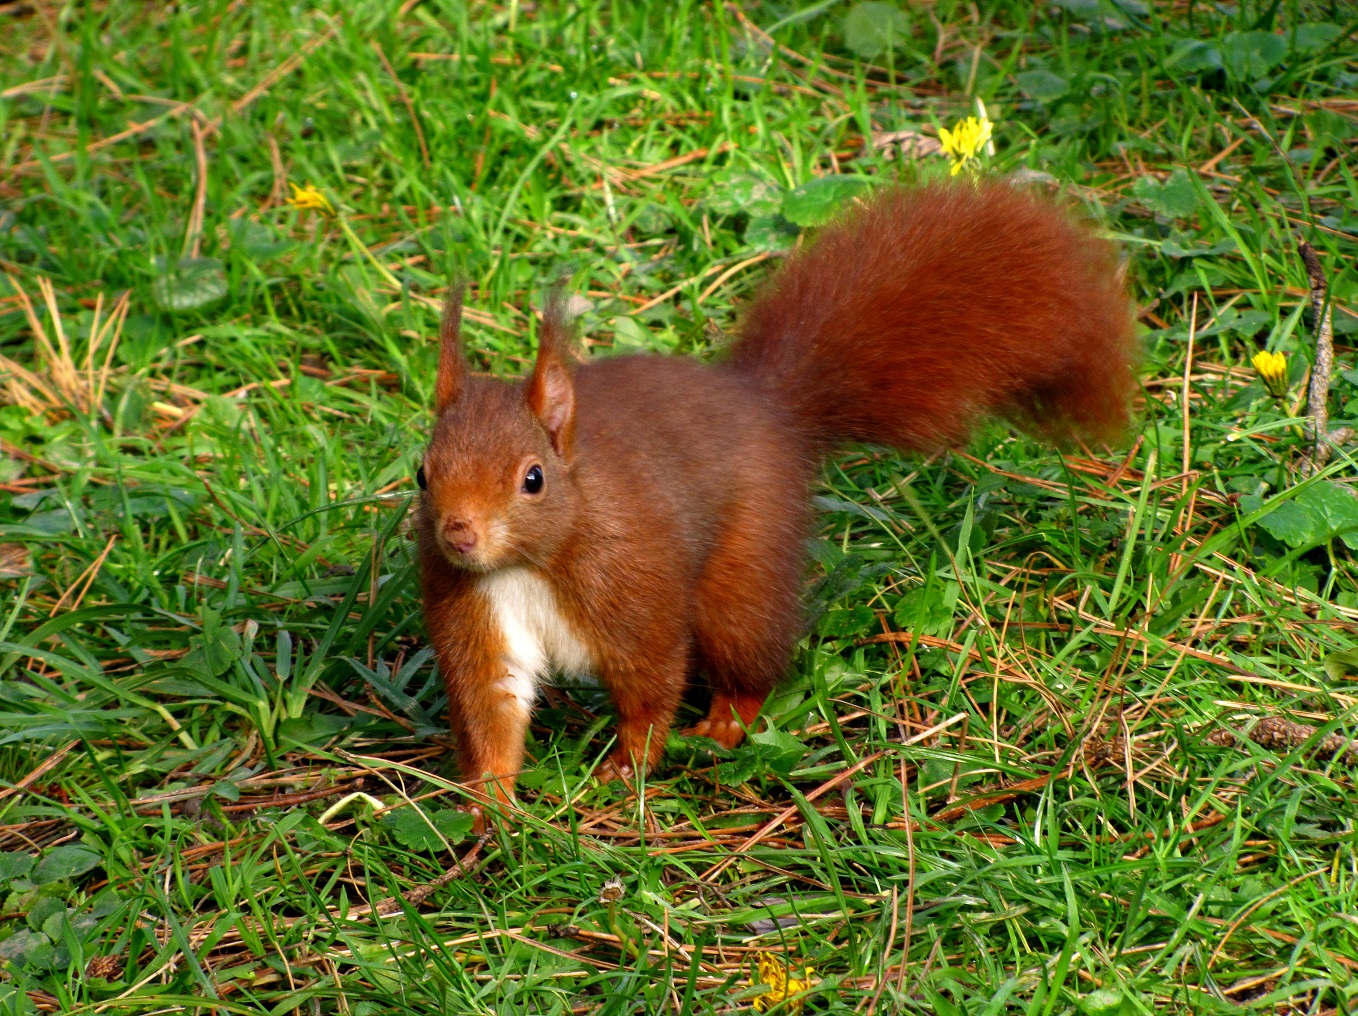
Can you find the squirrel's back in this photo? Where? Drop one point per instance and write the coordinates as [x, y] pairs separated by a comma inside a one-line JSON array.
[[669, 444]]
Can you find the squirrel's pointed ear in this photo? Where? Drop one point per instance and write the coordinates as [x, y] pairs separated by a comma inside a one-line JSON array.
[[452, 364], [551, 388]]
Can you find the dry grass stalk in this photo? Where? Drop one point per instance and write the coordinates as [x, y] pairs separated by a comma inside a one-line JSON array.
[[62, 385], [86, 577], [1318, 391], [193, 235]]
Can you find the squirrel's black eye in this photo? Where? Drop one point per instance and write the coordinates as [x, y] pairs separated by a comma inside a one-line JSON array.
[[419, 478], [532, 480]]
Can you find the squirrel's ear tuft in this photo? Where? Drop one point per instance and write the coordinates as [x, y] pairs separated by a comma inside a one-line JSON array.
[[452, 364], [551, 388]]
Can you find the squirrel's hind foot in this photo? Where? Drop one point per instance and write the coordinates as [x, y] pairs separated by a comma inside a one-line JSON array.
[[728, 719], [613, 769]]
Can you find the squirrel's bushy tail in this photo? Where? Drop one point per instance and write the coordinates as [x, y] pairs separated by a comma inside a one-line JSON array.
[[923, 309]]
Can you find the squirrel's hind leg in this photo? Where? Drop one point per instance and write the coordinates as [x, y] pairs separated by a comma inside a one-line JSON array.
[[748, 609]]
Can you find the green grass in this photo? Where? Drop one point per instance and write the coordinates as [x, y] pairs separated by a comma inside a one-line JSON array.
[[210, 617]]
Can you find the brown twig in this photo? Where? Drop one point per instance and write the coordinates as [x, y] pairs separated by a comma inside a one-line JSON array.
[[193, 235], [50, 763], [416, 896], [788, 813], [87, 576], [1183, 391], [1000, 795], [1221, 943], [279, 194], [282, 70], [287, 800], [830, 784], [269, 80], [1318, 391], [405, 98], [1185, 520], [910, 887]]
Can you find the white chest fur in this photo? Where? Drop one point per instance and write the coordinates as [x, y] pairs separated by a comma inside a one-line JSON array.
[[537, 638]]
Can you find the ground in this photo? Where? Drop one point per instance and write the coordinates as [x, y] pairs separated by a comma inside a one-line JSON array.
[[1070, 726]]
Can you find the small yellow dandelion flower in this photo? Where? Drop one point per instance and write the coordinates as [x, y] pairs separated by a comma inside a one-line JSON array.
[[309, 197], [1272, 369], [966, 140], [781, 984]]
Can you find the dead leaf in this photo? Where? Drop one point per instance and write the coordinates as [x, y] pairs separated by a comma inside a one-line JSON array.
[[15, 561]]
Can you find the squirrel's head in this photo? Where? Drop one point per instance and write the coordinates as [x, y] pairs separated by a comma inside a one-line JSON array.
[[497, 482]]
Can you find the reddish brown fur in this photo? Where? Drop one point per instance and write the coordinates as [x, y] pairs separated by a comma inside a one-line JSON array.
[[671, 527], [925, 309], [488, 739]]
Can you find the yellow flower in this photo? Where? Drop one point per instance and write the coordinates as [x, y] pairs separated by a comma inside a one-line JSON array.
[[1272, 369], [309, 197], [782, 985], [965, 141]]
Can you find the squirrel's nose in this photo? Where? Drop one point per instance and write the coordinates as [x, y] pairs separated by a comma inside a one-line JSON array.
[[460, 535]]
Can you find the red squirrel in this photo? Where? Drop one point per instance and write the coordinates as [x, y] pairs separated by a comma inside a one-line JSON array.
[[644, 518]]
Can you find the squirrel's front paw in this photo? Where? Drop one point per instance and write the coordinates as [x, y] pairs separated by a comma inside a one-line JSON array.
[[478, 815]]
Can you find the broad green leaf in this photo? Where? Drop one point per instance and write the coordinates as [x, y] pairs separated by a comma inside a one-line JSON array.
[[1104, 1002], [816, 201], [928, 609], [743, 193], [1323, 511], [1193, 56], [257, 241], [780, 749], [67, 861], [189, 284], [1314, 35], [747, 763], [1341, 664], [220, 412], [15, 864], [454, 824], [14, 1001], [1044, 86], [1335, 509], [770, 232], [213, 650], [1247, 56], [27, 948], [56, 926], [846, 622], [1176, 196], [873, 28], [43, 908], [630, 336], [411, 830], [313, 728], [1289, 522]]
